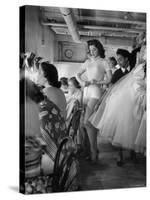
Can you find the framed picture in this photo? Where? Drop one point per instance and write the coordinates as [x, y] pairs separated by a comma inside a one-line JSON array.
[[82, 99]]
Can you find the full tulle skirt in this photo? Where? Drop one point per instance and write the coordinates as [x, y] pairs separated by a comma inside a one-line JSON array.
[[119, 117]]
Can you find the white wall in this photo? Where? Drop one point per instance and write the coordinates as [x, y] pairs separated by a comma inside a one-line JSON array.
[[68, 69], [35, 34]]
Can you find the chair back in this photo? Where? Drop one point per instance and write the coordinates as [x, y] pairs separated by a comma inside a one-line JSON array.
[[66, 168], [75, 120]]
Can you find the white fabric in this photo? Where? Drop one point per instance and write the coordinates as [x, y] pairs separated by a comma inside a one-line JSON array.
[[92, 91], [96, 69], [121, 111], [140, 143], [124, 69], [32, 125], [71, 100]]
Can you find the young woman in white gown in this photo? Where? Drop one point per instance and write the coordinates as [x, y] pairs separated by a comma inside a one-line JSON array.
[[95, 68], [120, 117]]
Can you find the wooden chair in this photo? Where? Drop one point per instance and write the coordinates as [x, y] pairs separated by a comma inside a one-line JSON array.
[[75, 121], [66, 169], [64, 174]]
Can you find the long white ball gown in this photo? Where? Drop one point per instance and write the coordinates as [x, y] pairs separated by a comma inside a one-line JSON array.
[[120, 114], [140, 142]]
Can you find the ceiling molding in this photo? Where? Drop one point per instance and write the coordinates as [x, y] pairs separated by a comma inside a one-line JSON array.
[[108, 19], [59, 25], [132, 30], [95, 33]]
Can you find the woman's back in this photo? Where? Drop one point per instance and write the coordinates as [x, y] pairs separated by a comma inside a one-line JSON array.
[[57, 96]]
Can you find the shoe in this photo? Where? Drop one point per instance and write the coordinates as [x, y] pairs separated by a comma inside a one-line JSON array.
[[134, 157], [121, 158], [88, 158], [94, 162], [135, 160], [79, 149], [94, 158], [120, 163]]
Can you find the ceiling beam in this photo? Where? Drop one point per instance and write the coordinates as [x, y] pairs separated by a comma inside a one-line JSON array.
[[107, 33], [71, 23], [53, 24], [108, 19], [95, 33], [131, 30], [103, 28]]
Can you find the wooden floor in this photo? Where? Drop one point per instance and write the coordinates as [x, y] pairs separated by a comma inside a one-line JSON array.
[[107, 175]]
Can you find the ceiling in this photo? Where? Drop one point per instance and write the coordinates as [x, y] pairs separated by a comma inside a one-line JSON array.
[[80, 23]]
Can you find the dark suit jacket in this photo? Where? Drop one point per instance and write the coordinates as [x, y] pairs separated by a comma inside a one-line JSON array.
[[117, 75]]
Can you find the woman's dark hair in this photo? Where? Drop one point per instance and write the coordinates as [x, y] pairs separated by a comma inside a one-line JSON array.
[[75, 82], [98, 45], [64, 81], [51, 74], [124, 53], [113, 59], [31, 90]]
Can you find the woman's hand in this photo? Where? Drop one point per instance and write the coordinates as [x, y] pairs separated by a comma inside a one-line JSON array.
[[94, 82], [99, 83]]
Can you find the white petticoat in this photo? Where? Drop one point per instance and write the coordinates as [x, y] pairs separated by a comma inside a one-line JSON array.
[[119, 116]]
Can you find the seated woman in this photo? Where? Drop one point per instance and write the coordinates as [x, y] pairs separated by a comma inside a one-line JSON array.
[[29, 132], [53, 131], [48, 77], [64, 85], [52, 124], [74, 96]]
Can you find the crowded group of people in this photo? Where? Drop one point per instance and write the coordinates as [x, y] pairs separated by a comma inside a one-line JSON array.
[[112, 98], [43, 117]]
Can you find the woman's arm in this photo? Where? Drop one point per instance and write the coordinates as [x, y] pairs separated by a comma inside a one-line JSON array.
[[81, 81], [108, 78]]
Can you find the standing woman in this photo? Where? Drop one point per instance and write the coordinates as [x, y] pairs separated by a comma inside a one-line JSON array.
[[48, 77], [96, 68]]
